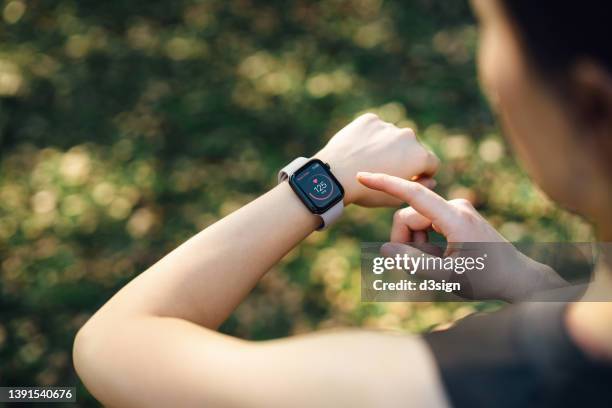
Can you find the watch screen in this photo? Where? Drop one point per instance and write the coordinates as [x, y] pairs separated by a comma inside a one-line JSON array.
[[318, 185]]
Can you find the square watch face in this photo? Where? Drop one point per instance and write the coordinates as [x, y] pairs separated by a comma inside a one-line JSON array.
[[317, 187]]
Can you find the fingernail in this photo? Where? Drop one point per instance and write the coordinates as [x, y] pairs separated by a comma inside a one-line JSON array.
[[363, 174]]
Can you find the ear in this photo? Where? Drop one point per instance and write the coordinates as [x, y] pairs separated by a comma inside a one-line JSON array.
[[591, 93]]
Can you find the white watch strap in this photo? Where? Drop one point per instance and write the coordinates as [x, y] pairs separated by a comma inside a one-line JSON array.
[[291, 168], [329, 216]]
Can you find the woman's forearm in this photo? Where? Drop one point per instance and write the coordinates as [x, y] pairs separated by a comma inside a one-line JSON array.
[[204, 279]]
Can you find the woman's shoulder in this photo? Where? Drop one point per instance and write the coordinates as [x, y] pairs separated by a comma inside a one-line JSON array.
[[521, 355]]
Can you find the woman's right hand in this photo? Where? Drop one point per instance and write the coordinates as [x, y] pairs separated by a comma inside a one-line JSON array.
[[509, 275]]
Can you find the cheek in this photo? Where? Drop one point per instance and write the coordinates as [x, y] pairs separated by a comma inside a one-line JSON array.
[[527, 115], [500, 75], [488, 68], [501, 83]]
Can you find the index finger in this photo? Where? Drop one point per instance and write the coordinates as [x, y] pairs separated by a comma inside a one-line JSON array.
[[423, 200]]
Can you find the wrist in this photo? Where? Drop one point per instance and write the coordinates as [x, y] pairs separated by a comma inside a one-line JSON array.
[[342, 172], [291, 200], [533, 277]]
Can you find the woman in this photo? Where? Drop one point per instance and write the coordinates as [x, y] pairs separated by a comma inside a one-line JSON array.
[[548, 74]]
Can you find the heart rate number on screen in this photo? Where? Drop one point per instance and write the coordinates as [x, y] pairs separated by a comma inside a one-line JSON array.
[[322, 187]]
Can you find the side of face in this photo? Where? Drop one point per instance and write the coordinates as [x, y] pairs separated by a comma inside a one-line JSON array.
[[534, 119]]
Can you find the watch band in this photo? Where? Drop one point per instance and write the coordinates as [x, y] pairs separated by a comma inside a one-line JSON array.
[[291, 168], [329, 216]]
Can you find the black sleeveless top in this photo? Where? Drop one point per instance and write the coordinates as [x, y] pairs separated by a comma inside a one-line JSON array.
[[521, 356]]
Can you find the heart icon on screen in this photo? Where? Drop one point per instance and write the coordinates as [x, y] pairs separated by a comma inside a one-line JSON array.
[[315, 181]]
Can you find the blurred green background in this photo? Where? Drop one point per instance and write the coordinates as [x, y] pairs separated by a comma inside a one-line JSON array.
[[127, 126]]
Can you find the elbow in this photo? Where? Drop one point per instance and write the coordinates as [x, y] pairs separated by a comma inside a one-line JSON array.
[[101, 358], [83, 351], [89, 355]]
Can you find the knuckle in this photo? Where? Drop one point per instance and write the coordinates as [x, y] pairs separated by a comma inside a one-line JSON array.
[[398, 216], [421, 154], [407, 133], [466, 211], [369, 117], [462, 203], [435, 160]]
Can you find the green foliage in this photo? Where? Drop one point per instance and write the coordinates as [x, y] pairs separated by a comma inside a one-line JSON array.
[[127, 126]]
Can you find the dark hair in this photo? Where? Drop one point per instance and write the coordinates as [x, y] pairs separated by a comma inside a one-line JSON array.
[[556, 33]]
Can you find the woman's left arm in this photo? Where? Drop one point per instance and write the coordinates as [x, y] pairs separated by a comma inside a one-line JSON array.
[[151, 329]]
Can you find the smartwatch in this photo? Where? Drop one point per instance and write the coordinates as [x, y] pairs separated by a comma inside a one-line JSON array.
[[316, 186]]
